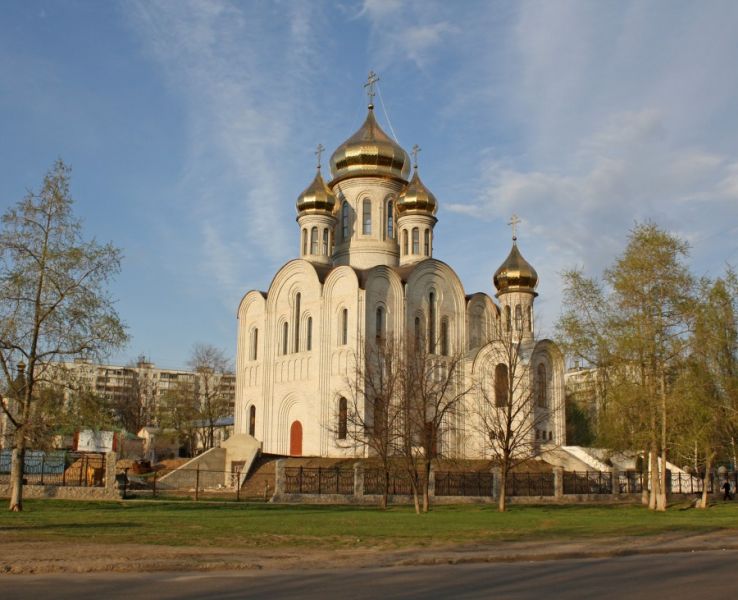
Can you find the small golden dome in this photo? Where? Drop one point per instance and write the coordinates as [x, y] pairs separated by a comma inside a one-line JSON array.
[[316, 197], [417, 197], [370, 151], [515, 274]]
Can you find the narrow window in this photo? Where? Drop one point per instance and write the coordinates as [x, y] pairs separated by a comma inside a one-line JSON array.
[[380, 323], [314, 240], [501, 385], [325, 242], [390, 221], [508, 318], [252, 420], [542, 392], [518, 318], [330, 242], [366, 221], [344, 326], [431, 322], [254, 344], [444, 336], [309, 334], [416, 241], [304, 242], [417, 332], [404, 242], [426, 242], [345, 221], [342, 418], [296, 322], [529, 324], [285, 336]]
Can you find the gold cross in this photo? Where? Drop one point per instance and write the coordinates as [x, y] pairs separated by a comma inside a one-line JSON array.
[[513, 222], [369, 85], [318, 152], [414, 152]]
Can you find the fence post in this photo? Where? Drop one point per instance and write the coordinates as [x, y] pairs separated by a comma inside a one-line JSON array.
[[238, 485], [279, 478], [155, 474], [432, 482], [496, 476], [197, 483], [125, 483], [615, 482], [558, 482], [358, 480], [81, 470]]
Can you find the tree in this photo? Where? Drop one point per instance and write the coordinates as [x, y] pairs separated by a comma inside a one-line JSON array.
[[54, 305], [515, 402], [634, 332], [213, 383]]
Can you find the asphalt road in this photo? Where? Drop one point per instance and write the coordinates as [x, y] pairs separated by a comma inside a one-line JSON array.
[[696, 575]]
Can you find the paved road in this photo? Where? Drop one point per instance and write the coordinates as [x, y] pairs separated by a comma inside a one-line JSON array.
[[674, 576]]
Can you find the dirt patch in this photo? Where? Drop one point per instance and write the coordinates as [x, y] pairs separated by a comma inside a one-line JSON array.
[[56, 557]]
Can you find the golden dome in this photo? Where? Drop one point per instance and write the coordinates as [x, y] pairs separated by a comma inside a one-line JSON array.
[[515, 274], [370, 151], [417, 197], [317, 196]]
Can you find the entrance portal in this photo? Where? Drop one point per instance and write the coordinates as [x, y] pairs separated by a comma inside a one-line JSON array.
[[296, 439]]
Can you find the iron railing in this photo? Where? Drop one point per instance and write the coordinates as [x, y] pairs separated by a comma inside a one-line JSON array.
[[318, 480], [464, 483], [398, 485], [529, 484], [587, 482], [69, 469]]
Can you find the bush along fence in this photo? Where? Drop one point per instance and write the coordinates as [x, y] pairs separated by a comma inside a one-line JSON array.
[[62, 474]]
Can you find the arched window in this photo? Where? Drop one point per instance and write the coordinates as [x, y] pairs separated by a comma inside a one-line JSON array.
[[325, 242], [366, 218], [501, 385], [314, 240], [344, 326], [342, 418], [330, 242], [431, 322], [542, 392], [418, 332], [304, 242], [390, 221], [285, 336], [529, 324], [345, 222], [444, 336], [508, 318], [253, 344], [380, 323], [518, 318], [297, 322], [309, 335], [404, 242], [426, 242], [252, 420], [416, 241]]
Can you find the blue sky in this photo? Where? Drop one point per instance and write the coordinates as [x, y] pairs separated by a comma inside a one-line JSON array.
[[190, 128]]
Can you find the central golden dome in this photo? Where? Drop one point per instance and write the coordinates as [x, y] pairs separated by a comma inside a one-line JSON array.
[[515, 274], [370, 151]]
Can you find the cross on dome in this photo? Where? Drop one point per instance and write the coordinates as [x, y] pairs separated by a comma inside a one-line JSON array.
[[369, 85], [513, 222], [318, 152], [416, 149]]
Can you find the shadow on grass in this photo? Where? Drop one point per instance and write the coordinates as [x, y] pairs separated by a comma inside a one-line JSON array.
[[73, 526]]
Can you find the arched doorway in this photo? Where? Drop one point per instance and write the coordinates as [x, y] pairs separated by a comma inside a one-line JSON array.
[[296, 439]]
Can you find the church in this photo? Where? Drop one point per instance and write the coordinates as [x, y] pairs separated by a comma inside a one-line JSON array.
[[366, 268]]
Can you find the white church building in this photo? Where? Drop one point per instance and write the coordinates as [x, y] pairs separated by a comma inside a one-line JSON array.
[[366, 267]]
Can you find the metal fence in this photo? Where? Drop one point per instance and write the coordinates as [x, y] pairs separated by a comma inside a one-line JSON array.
[[69, 469], [318, 480], [399, 483], [530, 484], [194, 484], [587, 482], [684, 483], [465, 483], [630, 482]]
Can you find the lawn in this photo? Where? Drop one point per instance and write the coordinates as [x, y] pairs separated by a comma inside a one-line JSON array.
[[259, 525]]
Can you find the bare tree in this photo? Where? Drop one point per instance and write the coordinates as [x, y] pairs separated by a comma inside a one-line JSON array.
[[53, 303], [514, 404], [214, 389]]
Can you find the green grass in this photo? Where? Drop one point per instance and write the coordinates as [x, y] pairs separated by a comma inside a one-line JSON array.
[[257, 525]]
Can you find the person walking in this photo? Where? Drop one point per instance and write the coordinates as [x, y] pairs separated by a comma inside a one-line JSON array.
[[726, 489]]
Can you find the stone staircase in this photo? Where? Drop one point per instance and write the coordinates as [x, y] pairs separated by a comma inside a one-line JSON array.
[[259, 485]]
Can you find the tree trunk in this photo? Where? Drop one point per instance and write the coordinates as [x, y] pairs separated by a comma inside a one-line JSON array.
[[503, 488], [706, 480], [385, 489], [653, 477], [16, 471], [426, 486]]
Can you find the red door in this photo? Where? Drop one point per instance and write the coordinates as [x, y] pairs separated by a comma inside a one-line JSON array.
[[296, 439]]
